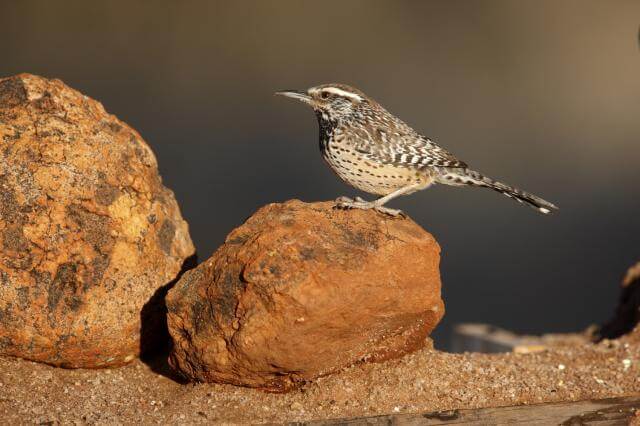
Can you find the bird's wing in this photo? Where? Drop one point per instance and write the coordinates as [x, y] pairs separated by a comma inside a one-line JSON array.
[[404, 147]]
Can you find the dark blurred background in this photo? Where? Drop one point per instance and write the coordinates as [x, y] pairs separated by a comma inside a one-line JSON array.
[[541, 94]]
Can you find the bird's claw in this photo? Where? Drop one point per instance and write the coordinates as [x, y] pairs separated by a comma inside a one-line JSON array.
[[359, 203], [344, 199], [390, 211]]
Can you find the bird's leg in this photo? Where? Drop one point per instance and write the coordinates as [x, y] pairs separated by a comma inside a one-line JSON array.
[[359, 203], [389, 211], [378, 205], [344, 199], [398, 192]]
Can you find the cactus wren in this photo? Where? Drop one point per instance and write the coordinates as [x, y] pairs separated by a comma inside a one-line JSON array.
[[376, 152]]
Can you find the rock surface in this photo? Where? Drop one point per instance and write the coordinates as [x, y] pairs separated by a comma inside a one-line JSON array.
[[88, 231], [302, 290]]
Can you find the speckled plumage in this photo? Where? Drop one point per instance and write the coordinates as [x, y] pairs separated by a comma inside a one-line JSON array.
[[376, 152]]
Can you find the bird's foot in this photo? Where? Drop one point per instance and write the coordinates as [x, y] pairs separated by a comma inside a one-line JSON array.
[[344, 199], [359, 203], [390, 211]]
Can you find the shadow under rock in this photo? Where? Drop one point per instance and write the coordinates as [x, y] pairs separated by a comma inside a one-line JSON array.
[[155, 340]]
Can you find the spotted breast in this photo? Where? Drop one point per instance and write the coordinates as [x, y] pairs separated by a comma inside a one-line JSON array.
[[347, 158]]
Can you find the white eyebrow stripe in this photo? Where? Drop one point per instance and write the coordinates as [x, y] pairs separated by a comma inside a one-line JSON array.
[[341, 92]]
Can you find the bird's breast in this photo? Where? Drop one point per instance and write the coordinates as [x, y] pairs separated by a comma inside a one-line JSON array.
[[347, 160]]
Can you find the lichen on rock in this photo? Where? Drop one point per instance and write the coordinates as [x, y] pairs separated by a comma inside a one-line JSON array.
[[88, 231]]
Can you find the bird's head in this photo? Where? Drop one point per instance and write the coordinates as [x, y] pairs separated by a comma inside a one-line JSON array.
[[331, 102]]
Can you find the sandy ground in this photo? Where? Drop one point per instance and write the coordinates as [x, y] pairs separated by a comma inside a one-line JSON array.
[[427, 380]]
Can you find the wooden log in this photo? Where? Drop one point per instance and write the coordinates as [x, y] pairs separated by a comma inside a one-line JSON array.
[[485, 338], [612, 411], [482, 338]]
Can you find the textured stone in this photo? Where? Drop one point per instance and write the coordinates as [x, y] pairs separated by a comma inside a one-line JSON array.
[[88, 231], [303, 290]]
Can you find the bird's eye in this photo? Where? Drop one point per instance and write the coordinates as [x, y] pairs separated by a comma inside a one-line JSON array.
[[324, 95]]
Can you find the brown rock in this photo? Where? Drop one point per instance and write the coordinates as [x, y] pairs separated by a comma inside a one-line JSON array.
[[626, 319], [88, 232], [303, 290], [632, 275]]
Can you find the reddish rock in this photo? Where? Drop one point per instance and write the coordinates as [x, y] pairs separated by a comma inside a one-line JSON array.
[[88, 232], [302, 290]]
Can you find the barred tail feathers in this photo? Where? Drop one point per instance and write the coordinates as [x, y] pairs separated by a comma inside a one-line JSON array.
[[461, 177]]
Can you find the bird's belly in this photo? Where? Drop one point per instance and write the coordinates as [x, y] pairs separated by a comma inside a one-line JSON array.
[[368, 175]]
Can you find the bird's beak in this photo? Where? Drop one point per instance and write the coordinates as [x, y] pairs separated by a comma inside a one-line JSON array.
[[296, 94]]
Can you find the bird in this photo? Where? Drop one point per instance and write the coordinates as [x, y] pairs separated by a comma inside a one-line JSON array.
[[378, 153]]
